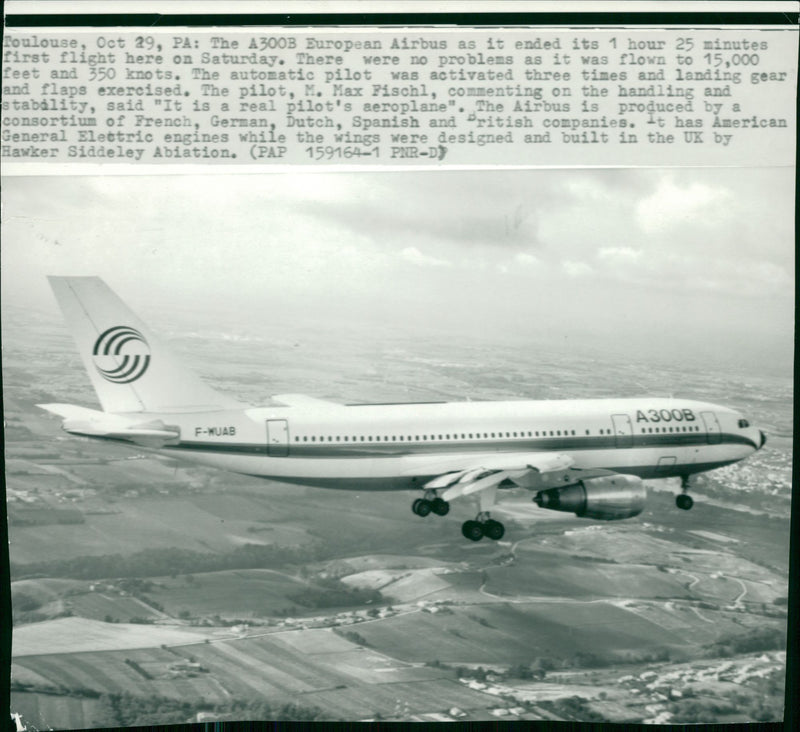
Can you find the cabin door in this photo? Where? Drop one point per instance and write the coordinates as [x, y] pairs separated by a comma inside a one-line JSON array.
[[623, 430], [277, 438], [713, 431]]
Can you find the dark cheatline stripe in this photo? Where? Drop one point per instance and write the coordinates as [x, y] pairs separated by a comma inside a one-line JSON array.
[[377, 450], [645, 472]]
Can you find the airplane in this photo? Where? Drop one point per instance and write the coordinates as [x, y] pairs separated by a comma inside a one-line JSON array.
[[583, 456]]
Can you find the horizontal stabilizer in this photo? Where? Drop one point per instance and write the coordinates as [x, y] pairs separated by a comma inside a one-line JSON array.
[[92, 423]]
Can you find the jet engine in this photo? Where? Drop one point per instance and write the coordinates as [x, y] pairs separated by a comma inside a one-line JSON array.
[[607, 498]]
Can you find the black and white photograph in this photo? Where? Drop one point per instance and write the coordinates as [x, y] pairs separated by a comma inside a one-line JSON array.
[[420, 445]]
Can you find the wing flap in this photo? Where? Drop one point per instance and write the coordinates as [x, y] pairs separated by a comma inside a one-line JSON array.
[[453, 468], [465, 476], [460, 490]]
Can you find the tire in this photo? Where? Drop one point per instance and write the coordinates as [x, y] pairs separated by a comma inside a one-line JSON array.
[[684, 502], [494, 530], [421, 507], [440, 507], [472, 530]]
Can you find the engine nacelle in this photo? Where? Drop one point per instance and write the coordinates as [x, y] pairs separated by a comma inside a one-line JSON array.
[[607, 498]]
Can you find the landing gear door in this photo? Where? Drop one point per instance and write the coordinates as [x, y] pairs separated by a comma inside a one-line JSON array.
[[623, 430], [277, 438], [713, 431]]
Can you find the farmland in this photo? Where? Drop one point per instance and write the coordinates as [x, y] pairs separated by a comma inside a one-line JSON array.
[[236, 593], [75, 635], [330, 674], [239, 585], [72, 712]]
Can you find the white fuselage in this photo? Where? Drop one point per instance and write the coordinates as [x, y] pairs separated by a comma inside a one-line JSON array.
[[397, 446]]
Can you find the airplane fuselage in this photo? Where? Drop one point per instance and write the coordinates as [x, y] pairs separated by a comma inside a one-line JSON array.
[[397, 446], [582, 456]]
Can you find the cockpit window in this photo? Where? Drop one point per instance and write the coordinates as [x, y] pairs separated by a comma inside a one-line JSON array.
[[743, 423]]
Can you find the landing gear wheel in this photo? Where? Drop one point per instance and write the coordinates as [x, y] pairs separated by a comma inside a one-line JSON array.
[[440, 507], [494, 530], [421, 507], [684, 501], [472, 530]]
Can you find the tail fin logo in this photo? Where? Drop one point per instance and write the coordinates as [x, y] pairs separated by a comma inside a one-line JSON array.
[[121, 354]]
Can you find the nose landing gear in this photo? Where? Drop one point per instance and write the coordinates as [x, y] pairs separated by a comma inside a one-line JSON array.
[[684, 500]]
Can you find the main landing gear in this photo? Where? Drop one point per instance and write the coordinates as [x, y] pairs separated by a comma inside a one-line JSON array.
[[475, 530], [684, 500], [483, 526], [423, 506]]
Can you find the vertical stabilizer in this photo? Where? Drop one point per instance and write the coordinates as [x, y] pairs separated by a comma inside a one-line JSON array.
[[130, 369]]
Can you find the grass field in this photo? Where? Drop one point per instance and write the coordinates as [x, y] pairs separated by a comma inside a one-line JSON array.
[[540, 573], [402, 585], [147, 523], [628, 543], [46, 590], [97, 606], [240, 593], [352, 565], [44, 710], [76, 635], [506, 633], [763, 540], [311, 667]]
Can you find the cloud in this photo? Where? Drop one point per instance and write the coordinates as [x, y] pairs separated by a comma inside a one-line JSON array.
[[526, 259], [672, 205], [617, 254], [415, 256], [492, 245], [576, 269]]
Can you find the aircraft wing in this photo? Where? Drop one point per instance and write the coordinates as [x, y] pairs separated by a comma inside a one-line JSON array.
[[461, 477], [301, 400], [92, 423]]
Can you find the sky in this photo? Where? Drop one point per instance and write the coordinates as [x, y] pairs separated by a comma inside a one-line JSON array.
[[655, 261]]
